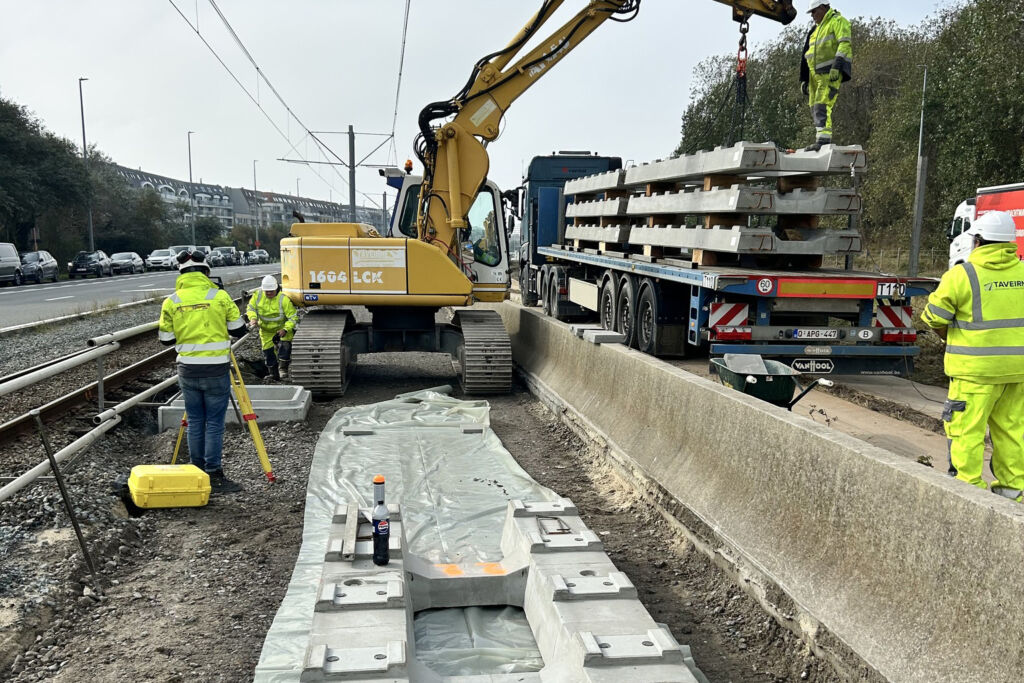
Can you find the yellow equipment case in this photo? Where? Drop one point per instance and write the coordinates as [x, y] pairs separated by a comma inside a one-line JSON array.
[[169, 486]]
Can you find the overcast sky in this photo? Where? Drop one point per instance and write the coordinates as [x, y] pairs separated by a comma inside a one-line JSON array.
[[335, 62]]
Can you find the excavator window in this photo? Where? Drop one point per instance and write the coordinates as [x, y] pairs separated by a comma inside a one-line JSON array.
[[407, 221], [482, 233]]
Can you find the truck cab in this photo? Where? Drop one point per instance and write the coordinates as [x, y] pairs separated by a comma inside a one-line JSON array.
[[542, 207], [961, 243]]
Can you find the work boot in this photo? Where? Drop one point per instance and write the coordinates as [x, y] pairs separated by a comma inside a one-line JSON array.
[[221, 484], [275, 373], [814, 146], [284, 369]]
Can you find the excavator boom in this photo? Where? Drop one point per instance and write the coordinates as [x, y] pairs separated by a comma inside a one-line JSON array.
[[454, 158]]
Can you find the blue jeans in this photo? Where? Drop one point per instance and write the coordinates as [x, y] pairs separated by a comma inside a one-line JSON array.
[[206, 402]]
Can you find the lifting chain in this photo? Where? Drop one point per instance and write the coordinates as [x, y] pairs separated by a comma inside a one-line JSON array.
[[739, 113]]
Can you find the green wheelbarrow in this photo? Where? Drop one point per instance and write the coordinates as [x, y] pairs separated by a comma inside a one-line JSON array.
[[768, 380]]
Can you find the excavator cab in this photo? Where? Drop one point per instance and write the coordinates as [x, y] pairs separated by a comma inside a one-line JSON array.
[[483, 251]]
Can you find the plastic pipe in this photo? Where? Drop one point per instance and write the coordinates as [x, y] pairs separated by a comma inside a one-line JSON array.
[[122, 334], [60, 456], [57, 368]]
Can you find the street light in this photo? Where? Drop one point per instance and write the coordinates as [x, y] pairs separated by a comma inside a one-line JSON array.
[[922, 169], [256, 199], [85, 160], [191, 193], [296, 188]]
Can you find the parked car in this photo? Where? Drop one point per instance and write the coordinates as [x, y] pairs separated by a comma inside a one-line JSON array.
[[127, 262], [161, 259], [181, 247], [10, 264], [259, 256], [243, 258], [39, 266], [215, 259], [88, 263], [230, 254]]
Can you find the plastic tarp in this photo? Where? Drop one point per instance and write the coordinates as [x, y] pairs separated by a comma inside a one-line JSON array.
[[453, 486], [478, 640]]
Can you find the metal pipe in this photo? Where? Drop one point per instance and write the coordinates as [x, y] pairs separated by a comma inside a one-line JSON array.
[[115, 412], [57, 368], [60, 456], [121, 335]]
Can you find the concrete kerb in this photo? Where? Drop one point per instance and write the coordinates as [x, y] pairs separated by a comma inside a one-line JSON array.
[[14, 329], [876, 562]]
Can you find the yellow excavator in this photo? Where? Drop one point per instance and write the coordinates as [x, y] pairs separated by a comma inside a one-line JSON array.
[[449, 245]]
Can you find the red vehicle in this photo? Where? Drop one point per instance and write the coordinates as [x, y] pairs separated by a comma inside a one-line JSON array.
[[1008, 198]]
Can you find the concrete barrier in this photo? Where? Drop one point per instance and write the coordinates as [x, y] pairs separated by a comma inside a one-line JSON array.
[[858, 550]]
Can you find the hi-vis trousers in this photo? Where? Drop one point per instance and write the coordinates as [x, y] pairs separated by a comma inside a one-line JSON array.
[[971, 408]]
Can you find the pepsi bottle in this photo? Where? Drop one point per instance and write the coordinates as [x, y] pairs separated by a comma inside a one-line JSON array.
[[381, 523]]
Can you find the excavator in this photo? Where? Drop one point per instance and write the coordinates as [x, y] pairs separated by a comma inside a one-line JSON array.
[[449, 243]]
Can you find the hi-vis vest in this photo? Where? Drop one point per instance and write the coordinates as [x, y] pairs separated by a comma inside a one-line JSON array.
[[982, 304], [197, 318], [830, 47], [272, 314]]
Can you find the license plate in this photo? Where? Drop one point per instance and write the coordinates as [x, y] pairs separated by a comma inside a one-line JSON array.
[[815, 334], [894, 290]]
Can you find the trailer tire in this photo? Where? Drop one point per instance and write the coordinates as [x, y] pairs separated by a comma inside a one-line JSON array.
[[625, 310], [607, 301], [647, 318]]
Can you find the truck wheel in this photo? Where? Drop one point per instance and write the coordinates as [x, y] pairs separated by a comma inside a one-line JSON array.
[[554, 295], [625, 311], [606, 302], [647, 319], [542, 290], [527, 293]]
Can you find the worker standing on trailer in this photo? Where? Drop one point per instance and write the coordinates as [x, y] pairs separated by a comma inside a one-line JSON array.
[[276, 317], [978, 309], [826, 64], [199, 319]]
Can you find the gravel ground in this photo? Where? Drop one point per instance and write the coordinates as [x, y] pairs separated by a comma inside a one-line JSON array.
[[188, 594]]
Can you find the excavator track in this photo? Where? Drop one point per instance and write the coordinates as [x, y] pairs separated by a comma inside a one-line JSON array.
[[319, 357], [485, 358]]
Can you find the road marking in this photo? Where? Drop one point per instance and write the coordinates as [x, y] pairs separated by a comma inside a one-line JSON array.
[[58, 298]]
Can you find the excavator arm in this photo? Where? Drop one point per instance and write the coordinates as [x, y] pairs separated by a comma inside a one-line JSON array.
[[453, 151]]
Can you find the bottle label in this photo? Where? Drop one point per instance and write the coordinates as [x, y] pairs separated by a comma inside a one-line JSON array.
[[381, 527]]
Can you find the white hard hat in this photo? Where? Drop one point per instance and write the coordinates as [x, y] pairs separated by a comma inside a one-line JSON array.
[[269, 284], [192, 259], [815, 4], [995, 226]]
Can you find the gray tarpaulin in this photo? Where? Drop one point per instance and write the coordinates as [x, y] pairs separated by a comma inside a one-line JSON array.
[[453, 487]]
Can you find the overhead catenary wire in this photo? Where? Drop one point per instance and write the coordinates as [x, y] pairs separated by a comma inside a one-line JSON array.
[[253, 98], [393, 152]]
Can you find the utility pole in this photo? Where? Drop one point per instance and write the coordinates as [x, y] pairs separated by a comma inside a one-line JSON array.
[[352, 174], [256, 200], [922, 168], [85, 160], [296, 188], [191, 193]]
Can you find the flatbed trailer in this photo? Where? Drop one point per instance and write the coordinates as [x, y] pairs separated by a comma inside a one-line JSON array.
[[818, 321]]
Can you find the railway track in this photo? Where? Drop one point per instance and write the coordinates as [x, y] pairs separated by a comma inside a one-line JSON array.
[[64, 405]]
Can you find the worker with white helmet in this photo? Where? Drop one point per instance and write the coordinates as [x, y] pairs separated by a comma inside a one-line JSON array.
[[978, 309], [276, 318], [827, 63]]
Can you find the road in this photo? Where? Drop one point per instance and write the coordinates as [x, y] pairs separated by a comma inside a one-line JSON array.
[[31, 303]]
